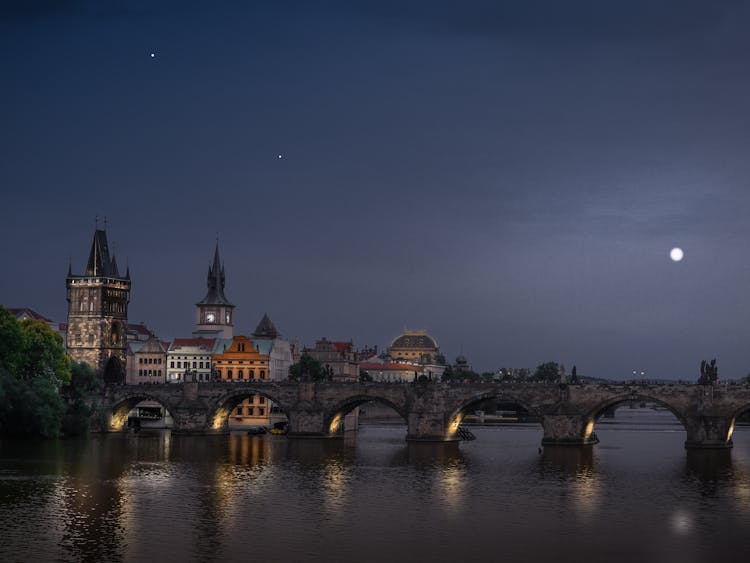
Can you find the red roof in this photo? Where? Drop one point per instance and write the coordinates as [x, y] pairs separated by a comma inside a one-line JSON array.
[[200, 342], [342, 347], [18, 311]]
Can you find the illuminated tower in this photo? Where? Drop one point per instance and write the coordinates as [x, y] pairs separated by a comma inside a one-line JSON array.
[[214, 312], [98, 312]]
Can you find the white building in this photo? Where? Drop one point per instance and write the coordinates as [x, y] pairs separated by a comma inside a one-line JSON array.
[[267, 340], [191, 356]]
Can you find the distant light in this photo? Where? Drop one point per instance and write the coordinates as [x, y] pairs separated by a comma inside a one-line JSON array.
[[676, 254], [279, 156], [153, 55]]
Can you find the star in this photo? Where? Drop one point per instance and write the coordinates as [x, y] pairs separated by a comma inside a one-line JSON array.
[[153, 55], [280, 156]]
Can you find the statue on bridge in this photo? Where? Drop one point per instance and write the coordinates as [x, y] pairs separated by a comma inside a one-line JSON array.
[[709, 373]]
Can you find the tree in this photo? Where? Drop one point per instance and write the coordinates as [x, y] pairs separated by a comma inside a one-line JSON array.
[[33, 367], [548, 371], [30, 349], [81, 397], [308, 369], [448, 374]]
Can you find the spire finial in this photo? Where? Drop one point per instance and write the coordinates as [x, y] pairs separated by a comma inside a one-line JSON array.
[[96, 222], [105, 222]]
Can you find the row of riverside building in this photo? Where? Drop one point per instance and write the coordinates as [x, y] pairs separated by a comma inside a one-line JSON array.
[[97, 332]]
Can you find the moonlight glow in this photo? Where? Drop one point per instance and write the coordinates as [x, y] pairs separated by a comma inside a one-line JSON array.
[[676, 254]]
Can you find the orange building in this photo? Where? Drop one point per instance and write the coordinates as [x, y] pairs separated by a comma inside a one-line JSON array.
[[241, 361]]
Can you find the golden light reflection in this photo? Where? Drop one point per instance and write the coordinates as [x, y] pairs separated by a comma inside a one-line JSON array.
[[450, 486], [587, 495], [336, 489], [731, 430], [589, 429], [335, 424]]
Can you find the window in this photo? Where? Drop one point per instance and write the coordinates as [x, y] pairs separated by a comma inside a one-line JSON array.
[[240, 374], [140, 372], [179, 365], [262, 374], [229, 374], [261, 411], [262, 400], [239, 411], [200, 365], [195, 364], [251, 374], [140, 360], [171, 364]]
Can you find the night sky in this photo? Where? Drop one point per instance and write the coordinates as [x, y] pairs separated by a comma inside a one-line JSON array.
[[510, 176]]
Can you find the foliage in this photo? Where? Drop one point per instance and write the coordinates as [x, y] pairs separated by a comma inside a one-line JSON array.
[[548, 371], [29, 407], [30, 349], [33, 368], [307, 369], [81, 396], [364, 376]]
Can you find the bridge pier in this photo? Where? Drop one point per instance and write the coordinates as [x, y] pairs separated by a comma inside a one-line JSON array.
[[568, 430], [431, 427], [709, 432], [307, 423]]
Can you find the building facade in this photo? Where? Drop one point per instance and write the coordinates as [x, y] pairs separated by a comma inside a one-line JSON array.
[[338, 358], [190, 358], [390, 372], [267, 340], [214, 314], [98, 313], [241, 360], [419, 348], [146, 362]]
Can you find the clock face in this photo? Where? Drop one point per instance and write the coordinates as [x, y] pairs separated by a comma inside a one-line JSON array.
[[210, 317]]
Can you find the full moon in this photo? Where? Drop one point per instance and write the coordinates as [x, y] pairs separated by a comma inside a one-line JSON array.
[[676, 254]]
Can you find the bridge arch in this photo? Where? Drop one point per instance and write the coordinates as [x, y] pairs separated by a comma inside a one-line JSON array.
[[123, 404], [218, 414], [593, 414], [335, 414], [456, 415]]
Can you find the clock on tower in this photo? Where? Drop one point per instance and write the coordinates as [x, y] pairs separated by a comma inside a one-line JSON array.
[[214, 311]]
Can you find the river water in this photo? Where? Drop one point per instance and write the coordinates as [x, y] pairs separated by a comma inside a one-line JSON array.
[[637, 496]]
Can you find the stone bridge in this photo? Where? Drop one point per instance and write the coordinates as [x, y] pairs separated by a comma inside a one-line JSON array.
[[433, 411]]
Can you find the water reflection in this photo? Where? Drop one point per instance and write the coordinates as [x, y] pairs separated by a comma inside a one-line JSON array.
[[574, 466], [159, 496]]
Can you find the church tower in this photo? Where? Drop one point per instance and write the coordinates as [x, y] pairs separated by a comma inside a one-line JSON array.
[[98, 312], [214, 312]]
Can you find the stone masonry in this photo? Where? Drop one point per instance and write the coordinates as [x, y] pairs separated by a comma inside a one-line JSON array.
[[433, 412]]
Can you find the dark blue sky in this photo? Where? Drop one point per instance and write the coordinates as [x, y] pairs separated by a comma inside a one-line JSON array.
[[508, 175]]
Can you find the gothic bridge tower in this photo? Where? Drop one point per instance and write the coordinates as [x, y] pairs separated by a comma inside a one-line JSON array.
[[98, 312], [214, 313]]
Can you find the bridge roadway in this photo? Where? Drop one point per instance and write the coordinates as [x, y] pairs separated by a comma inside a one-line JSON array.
[[433, 411]]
